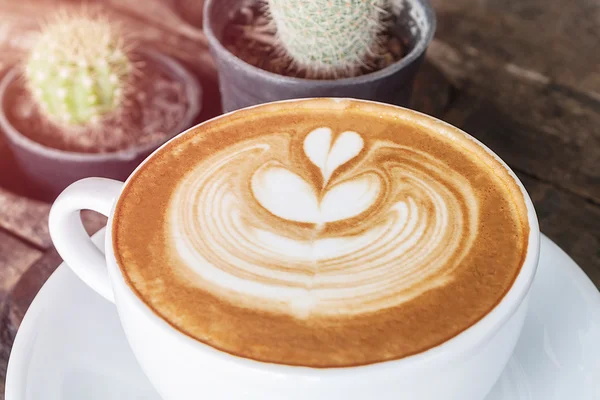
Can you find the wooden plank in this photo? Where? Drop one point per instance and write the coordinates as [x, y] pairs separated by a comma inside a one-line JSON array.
[[166, 16], [570, 221], [25, 218], [432, 92], [15, 257], [544, 130], [542, 86], [551, 39], [28, 219]]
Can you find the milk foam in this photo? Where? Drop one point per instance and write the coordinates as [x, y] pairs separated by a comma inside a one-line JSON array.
[[340, 224]]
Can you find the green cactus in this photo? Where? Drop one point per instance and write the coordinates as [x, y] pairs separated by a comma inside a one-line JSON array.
[[78, 69], [328, 37]]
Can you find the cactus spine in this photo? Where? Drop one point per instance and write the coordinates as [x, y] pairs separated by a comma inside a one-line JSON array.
[[78, 69], [328, 37]]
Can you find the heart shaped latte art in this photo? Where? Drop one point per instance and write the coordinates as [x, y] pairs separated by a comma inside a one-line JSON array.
[[290, 197], [375, 226]]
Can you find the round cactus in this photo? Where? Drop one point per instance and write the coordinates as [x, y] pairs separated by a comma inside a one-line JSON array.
[[78, 69], [328, 37]]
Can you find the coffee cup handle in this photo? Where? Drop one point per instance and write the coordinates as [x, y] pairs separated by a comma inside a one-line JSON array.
[[70, 237]]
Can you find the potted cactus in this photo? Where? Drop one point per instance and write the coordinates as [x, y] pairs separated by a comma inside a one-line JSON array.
[[86, 101], [270, 50]]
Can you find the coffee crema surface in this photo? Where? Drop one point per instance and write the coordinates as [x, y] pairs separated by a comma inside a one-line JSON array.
[[321, 233]]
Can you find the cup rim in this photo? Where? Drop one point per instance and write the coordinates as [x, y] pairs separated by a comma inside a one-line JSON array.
[[461, 346]]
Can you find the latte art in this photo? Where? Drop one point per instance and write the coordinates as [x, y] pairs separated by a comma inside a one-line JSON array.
[[321, 233], [336, 223]]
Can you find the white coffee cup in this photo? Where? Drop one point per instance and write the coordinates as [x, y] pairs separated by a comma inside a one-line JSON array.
[[181, 368]]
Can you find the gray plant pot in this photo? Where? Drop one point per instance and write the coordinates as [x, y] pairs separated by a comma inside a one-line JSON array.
[[242, 84], [52, 170]]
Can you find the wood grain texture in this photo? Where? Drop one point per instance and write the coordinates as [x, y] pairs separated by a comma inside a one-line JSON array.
[[534, 68], [527, 79], [15, 258], [25, 218], [552, 171], [432, 92], [551, 38], [28, 219], [549, 133], [571, 222]]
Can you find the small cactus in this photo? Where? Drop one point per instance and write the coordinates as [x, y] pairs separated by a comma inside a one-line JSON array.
[[78, 69], [328, 37]]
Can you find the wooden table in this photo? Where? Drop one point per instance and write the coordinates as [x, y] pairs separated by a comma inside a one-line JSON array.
[[523, 76]]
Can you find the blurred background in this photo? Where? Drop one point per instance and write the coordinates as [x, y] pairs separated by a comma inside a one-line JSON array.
[[523, 76]]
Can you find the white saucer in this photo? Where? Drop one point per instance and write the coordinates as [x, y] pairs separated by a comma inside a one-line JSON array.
[[70, 345]]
